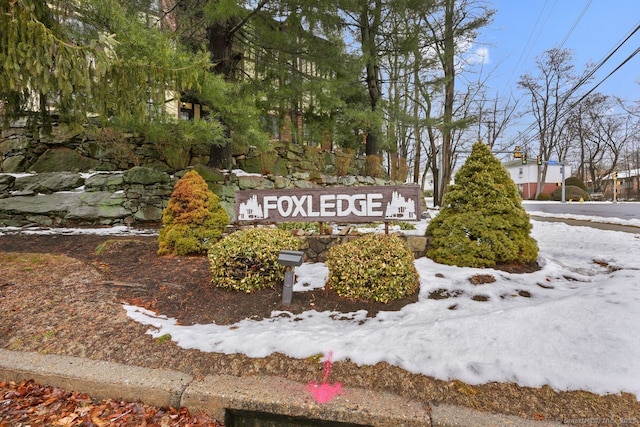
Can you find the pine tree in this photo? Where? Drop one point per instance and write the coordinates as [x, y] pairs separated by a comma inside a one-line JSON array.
[[105, 65], [482, 222]]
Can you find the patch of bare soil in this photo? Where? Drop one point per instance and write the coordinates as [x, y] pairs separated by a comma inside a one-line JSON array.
[[62, 294]]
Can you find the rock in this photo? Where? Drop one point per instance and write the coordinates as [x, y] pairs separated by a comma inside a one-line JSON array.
[[6, 182], [149, 213], [304, 184], [62, 159], [228, 192], [145, 176], [97, 204], [417, 245], [104, 182], [281, 182], [209, 174], [15, 144], [14, 164], [348, 181], [46, 204], [250, 182], [329, 179], [367, 180], [303, 176], [47, 183]]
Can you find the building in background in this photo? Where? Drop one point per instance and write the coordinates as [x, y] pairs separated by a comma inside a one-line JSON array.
[[627, 183], [526, 177]]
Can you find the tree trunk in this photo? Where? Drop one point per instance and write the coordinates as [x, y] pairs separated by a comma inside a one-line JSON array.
[[449, 92], [368, 31], [221, 50], [417, 143]]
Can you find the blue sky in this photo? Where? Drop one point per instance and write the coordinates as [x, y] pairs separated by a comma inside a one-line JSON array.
[[524, 29]]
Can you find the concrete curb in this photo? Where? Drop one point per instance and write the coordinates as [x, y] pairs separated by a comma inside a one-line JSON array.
[[217, 393], [102, 380], [451, 416]]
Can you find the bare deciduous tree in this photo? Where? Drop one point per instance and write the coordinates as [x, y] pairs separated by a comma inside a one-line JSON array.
[[550, 100]]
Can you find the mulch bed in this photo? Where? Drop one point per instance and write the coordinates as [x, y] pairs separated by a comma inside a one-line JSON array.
[[70, 304]]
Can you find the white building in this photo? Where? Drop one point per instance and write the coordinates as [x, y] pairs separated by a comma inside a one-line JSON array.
[[526, 177]]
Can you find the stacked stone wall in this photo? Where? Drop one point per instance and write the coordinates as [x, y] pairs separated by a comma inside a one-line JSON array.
[[138, 196]]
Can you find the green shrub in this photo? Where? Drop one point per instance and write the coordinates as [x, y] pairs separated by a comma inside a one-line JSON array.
[[372, 268], [247, 260], [575, 181], [403, 225], [176, 139], [543, 197], [571, 192], [482, 222], [193, 218], [309, 227]]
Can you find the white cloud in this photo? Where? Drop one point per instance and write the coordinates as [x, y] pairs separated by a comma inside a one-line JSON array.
[[479, 56]]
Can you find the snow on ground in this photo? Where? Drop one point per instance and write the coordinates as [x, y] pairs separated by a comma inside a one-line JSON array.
[[116, 230], [572, 325], [607, 220]]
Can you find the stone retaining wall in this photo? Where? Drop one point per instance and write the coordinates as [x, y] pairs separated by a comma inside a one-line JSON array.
[[59, 199], [139, 195], [75, 149]]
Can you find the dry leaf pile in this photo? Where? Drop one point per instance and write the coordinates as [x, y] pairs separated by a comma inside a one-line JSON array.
[[27, 403]]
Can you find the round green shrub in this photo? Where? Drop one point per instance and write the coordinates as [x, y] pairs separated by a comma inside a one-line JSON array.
[[309, 227], [247, 260], [482, 222], [543, 197], [575, 181], [372, 268], [571, 192], [193, 218]]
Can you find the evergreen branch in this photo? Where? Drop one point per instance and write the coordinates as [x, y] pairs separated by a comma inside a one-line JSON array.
[[246, 19]]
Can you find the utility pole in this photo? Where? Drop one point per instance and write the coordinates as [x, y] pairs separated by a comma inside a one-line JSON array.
[[562, 172], [490, 125]]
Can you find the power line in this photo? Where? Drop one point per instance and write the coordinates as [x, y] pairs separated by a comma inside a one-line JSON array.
[[575, 24], [603, 61], [583, 80], [608, 75], [528, 48]]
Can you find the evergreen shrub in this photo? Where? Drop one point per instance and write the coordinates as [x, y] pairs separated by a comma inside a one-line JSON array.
[[574, 180], [193, 218], [571, 192], [247, 260], [543, 197], [482, 222], [372, 268], [309, 227]]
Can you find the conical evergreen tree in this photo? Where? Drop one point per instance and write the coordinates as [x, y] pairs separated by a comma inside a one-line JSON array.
[[482, 222], [193, 219]]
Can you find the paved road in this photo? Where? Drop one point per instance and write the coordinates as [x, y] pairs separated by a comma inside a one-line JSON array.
[[598, 225], [622, 210]]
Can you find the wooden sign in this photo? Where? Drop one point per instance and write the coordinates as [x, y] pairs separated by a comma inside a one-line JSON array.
[[330, 204]]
